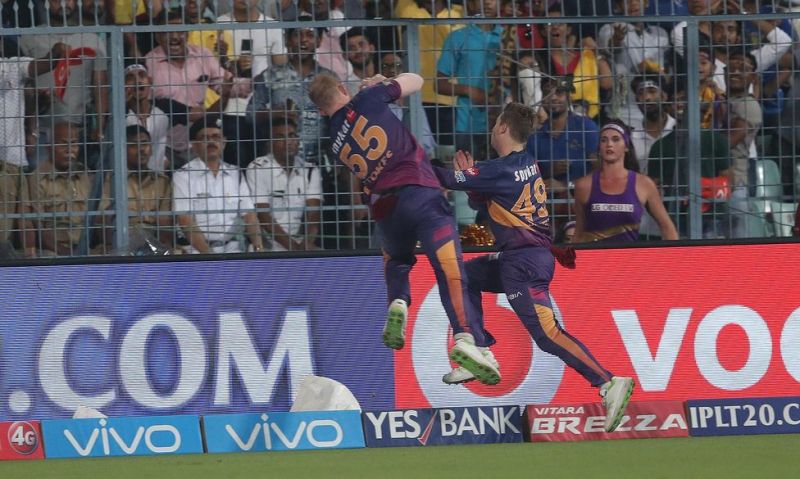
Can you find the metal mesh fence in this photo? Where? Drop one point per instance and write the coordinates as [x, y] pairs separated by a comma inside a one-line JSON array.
[[186, 126]]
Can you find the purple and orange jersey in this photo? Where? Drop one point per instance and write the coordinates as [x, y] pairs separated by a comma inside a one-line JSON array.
[[513, 194], [375, 145], [512, 191]]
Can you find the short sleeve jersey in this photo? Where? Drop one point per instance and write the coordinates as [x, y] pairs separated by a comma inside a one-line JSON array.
[[369, 139], [512, 192]]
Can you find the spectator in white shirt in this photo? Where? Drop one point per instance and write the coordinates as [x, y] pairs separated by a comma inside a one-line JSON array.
[[143, 110], [209, 196], [254, 50], [654, 123], [287, 192], [634, 49], [79, 89]]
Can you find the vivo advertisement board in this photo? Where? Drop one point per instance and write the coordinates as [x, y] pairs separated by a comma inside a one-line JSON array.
[[727, 417], [283, 431], [122, 436], [189, 337], [238, 336], [436, 427]]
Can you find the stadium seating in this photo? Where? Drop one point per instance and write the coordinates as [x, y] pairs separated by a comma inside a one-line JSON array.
[[783, 217], [757, 226], [768, 180]]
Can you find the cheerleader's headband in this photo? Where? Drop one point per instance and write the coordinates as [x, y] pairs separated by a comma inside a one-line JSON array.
[[618, 129]]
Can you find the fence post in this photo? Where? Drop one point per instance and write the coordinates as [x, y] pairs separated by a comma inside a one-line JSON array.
[[415, 100], [120, 168], [693, 154]]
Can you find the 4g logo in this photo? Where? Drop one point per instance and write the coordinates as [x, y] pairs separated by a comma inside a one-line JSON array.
[[23, 438], [20, 440]]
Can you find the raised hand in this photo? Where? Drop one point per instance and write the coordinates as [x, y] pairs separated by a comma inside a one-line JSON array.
[[373, 80], [463, 160], [221, 46]]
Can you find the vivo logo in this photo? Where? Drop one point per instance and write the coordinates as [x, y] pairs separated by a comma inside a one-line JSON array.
[[319, 433], [158, 439]]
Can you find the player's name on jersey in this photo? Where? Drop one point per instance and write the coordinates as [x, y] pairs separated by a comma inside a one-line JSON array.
[[527, 172]]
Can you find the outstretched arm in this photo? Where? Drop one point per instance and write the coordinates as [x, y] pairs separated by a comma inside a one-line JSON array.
[[410, 83], [467, 176]]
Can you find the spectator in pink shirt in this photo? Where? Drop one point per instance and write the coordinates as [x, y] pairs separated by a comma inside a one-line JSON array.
[[192, 76], [184, 72]]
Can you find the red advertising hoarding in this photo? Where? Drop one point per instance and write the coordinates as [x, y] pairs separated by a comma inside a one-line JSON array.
[[21, 440], [685, 322], [582, 422]]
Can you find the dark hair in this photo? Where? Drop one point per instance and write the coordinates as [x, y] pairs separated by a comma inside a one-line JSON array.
[[304, 17], [555, 7], [519, 119], [629, 162], [383, 53], [659, 80], [563, 83], [356, 32], [282, 120], [166, 15], [132, 131], [704, 45], [208, 121], [741, 51]]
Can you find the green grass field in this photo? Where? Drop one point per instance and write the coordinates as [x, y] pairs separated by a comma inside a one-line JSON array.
[[751, 457]]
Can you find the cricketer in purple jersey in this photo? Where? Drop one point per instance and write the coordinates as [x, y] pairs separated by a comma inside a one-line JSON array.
[[375, 145], [407, 201], [512, 191]]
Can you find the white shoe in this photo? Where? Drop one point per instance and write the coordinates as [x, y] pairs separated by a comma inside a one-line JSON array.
[[616, 394], [459, 375], [394, 331], [470, 357]]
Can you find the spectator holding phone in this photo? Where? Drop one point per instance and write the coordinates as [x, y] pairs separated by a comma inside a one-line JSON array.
[[218, 42], [253, 50]]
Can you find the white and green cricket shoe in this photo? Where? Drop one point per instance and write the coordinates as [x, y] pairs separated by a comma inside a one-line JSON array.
[[616, 394], [394, 331], [470, 357], [460, 375]]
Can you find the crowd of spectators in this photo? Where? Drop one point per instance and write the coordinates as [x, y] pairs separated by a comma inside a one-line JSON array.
[[225, 152]]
